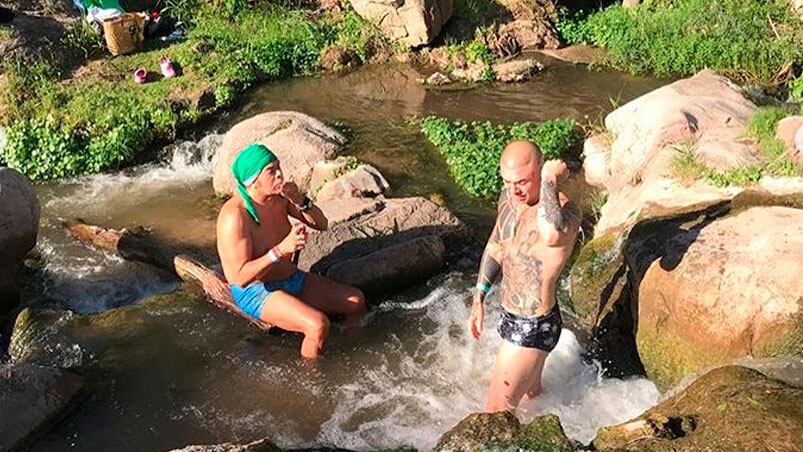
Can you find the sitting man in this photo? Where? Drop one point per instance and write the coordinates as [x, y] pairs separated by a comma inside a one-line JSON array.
[[255, 242], [532, 240]]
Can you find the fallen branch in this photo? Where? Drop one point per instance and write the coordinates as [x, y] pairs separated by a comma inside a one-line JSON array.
[[139, 245]]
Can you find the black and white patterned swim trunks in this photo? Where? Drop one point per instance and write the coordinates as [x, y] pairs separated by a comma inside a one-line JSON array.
[[532, 332]]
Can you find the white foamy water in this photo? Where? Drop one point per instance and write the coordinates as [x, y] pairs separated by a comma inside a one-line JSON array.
[[427, 382], [88, 280]]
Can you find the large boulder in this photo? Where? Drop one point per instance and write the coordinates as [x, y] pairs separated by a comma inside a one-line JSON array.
[[503, 431], [412, 22], [729, 408], [300, 141], [33, 398], [790, 133], [19, 225], [394, 244], [704, 115], [711, 290]]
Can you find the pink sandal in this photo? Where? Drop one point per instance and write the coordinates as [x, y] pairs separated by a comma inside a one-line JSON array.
[[140, 75], [167, 67]]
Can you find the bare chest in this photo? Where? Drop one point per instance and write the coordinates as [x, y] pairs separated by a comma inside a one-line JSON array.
[[273, 228]]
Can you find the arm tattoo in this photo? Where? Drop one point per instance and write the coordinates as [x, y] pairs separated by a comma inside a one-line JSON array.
[[552, 211], [489, 270], [489, 266]]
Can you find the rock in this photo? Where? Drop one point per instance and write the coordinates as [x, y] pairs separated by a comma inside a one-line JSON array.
[[730, 408], [437, 79], [478, 430], [790, 133], [576, 54], [502, 431], [412, 22], [516, 70], [328, 170], [797, 7], [440, 57], [394, 267], [19, 226], [630, 3], [709, 289], [477, 71], [300, 141], [337, 58], [33, 399], [341, 210], [398, 221], [365, 181], [705, 115], [262, 445]]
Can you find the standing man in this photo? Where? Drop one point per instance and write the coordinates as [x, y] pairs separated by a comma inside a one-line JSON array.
[[255, 242], [532, 240]]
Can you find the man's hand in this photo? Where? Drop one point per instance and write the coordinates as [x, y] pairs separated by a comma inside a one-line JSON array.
[[295, 240], [477, 316], [554, 170], [292, 193]]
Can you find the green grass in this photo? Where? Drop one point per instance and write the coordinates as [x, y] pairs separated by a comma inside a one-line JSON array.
[[103, 121], [761, 129], [747, 40], [472, 150]]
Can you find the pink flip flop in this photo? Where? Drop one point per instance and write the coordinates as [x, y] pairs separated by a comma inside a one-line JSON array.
[[140, 75], [167, 67]]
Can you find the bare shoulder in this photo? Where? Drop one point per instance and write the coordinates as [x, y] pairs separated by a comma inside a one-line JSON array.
[[232, 217]]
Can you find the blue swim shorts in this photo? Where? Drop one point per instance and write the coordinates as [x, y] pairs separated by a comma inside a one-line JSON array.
[[252, 297]]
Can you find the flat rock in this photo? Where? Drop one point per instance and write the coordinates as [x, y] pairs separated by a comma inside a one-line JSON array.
[[364, 181], [516, 70], [340, 210]]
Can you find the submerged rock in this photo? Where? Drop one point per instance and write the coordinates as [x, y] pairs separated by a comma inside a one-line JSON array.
[[503, 431], [412, 22], [516, 70], [730, 408], [33, 398], [300, 141]]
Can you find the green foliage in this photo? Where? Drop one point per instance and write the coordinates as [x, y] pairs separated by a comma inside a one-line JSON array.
[[361, 36], [750, 40], [81, 37], [762, 128], [477, 12], [472, 150], [103, 120], [796, 89]]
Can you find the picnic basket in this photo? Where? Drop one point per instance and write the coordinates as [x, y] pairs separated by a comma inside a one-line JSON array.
[[124, 33]]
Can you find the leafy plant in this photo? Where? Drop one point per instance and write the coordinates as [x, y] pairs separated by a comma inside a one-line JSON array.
[[796, 89], [472, 150]]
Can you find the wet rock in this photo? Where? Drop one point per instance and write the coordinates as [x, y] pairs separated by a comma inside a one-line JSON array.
[[576, 54], [711, 289], [730, 408], [337, 58], [478, 430], [704, 115], [364, 181], [33, 398], [19, 225], [516, 70], [502, 431], [411, 22], [477, 71], [393, 267], [337, 251], [262, 445], [437, 79], [790, 132], [300, 141]]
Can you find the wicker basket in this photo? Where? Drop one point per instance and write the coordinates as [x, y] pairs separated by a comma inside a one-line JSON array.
[[124, 33]]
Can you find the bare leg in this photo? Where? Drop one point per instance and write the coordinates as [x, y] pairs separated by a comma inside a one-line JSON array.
[[512, 376], [333, 297], [289, 313]]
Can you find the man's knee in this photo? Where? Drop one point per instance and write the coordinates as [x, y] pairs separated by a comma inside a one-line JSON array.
[[317, 325], [357, 301]]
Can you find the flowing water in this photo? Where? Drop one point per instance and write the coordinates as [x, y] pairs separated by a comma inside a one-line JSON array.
[[192, 374]]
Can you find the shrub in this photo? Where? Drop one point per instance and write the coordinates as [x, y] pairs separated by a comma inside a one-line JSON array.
[[472, 150]]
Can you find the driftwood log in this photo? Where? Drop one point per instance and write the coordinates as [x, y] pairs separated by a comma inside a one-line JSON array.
[[139, 245]]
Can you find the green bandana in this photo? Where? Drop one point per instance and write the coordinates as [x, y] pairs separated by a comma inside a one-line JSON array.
[[246, 167]]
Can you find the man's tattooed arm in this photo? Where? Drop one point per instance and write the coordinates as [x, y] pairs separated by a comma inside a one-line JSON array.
[[490, 265], [558, 218]]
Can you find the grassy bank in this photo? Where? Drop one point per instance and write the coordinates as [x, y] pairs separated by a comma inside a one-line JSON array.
[[472, 150], [746, 40], [100, 120]]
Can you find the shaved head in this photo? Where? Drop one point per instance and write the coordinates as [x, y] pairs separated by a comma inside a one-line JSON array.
[[520, 168], [520, 153]]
